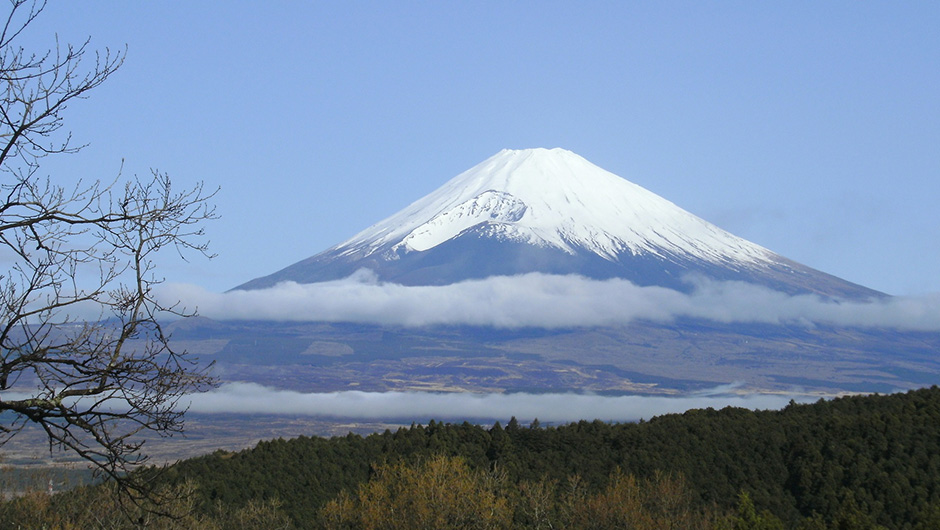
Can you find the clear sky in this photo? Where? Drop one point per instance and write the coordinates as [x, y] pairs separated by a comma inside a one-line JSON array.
[[811, 128]]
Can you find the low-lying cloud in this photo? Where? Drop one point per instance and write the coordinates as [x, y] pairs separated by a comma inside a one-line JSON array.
[[250, 398], [548, 301]]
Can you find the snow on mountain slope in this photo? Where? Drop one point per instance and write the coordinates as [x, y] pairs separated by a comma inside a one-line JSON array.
[[551, 211], [555, 198], [491, 206]]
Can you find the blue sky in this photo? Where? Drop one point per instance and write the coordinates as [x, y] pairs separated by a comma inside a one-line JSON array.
[[811, 128]]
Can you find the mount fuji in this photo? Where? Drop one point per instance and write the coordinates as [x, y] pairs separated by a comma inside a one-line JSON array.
[[552, 211]]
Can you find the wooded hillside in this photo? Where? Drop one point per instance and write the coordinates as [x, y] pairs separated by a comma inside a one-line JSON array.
[[853, 462], [878, 456]]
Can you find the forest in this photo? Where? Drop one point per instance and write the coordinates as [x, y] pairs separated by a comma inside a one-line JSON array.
[[852, 462]]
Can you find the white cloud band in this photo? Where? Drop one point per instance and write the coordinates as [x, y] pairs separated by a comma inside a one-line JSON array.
[[250, 398], [550, 301]]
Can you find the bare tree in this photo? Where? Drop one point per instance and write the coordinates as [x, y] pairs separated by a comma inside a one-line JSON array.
[[82, 351]]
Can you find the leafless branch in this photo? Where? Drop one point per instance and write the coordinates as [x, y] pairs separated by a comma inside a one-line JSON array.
[[82, 351]]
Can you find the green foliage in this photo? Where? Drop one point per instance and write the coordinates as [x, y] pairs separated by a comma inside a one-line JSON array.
[[850, 463], [872, 460], [747, 518]]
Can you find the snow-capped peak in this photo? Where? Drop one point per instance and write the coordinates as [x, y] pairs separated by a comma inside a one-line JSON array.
[[554, 198]]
